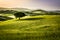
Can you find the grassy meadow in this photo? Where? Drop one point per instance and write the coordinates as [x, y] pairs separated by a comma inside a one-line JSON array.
[[42, 27]]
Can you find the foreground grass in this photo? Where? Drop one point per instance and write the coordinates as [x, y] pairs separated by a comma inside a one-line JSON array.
[[45, 27]]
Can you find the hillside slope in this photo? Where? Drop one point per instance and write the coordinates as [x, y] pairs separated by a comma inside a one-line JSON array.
[[45, 27]]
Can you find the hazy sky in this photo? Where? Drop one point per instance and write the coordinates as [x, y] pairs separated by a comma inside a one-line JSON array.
[[32, 4]]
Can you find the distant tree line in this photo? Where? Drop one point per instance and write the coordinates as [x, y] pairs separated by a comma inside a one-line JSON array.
[[7, 11], [53, 13], [33, 12]]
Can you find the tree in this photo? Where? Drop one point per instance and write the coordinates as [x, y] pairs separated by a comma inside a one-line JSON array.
[[19, 14]]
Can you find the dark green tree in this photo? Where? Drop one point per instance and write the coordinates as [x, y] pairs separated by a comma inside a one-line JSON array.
[[19, 15]]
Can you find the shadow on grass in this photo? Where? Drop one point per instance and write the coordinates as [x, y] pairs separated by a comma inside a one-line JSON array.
[[4, 18], [30, 19]]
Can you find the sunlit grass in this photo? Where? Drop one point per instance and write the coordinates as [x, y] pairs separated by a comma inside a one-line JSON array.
[[36, 27], [29, 24], [6, 14]]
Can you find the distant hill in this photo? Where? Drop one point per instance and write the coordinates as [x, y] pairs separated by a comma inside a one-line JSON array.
[[13, 10], [16, 9], [55, 12], [29, 11]]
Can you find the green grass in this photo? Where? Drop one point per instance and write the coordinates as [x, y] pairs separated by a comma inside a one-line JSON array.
[[45, 27], [6, 14]]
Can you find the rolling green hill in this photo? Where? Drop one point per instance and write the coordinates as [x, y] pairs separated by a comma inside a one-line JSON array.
[[42, 27]]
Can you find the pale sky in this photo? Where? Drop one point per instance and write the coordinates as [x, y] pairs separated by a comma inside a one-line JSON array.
[[31, 4]]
